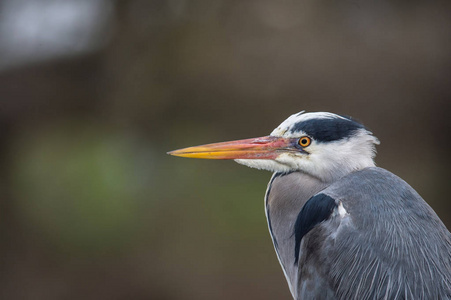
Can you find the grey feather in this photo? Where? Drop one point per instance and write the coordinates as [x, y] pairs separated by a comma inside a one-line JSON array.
[[389, 245]]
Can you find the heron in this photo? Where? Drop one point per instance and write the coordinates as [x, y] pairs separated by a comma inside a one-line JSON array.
[[341, 227]]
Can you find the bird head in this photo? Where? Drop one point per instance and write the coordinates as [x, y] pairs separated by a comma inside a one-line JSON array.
[[324, 145]]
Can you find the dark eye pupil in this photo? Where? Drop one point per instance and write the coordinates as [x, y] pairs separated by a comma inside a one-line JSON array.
[[304, 141]]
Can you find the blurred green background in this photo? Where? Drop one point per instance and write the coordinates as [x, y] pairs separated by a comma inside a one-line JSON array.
[[95, 92]]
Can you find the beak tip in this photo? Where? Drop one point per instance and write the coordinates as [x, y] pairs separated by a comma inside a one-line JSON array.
[[173, 153], [177, 153]]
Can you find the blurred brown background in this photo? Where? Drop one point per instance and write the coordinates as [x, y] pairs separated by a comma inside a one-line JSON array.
[[95, 92]]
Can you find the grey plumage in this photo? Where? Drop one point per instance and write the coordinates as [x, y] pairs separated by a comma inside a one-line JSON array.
[[391, 245]]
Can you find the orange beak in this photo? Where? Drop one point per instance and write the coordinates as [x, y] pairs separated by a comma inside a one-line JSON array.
[[267, 147]]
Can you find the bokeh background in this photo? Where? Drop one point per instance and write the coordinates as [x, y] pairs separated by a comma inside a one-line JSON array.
[[93, 93]]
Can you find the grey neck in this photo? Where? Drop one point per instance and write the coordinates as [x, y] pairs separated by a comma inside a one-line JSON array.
[[286, 195]]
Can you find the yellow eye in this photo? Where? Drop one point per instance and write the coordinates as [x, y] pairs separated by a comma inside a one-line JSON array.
[[304, 141]]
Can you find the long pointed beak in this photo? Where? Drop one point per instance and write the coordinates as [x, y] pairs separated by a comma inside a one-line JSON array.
[[267, 147]]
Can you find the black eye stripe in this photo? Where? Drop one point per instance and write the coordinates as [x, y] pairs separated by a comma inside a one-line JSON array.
[[328, 129]]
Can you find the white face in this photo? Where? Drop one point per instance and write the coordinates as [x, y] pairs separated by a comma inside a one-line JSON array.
[[338, 147]]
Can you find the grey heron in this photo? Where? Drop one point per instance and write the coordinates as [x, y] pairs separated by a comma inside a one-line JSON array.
[[342, 228]]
